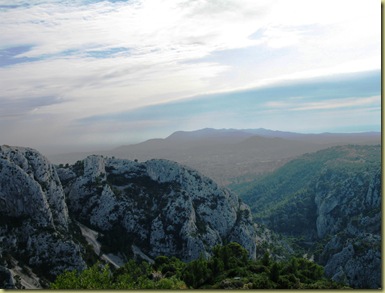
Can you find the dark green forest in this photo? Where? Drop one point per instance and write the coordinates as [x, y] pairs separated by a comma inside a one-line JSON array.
[[229, 267], [268, 191]]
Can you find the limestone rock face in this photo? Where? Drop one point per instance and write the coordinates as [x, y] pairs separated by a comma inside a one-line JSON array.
[[349, 196], [330, 201], [159, 206], [34, 220], [350, 213], [30, 187]]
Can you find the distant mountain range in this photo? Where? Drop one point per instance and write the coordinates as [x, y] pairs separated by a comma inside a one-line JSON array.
[[230, 155]]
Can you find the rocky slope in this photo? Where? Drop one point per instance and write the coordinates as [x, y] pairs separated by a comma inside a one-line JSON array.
[[158, 206], [351, 215], [125, 208], [34, 220], [331, 201]]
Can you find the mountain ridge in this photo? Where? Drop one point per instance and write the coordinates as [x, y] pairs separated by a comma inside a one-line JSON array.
[[138, 210], [223, 155], [205, 132]]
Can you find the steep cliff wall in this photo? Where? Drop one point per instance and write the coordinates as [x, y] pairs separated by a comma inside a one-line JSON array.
[[34, 221], [330, 201], [349, 222], [159, 206]]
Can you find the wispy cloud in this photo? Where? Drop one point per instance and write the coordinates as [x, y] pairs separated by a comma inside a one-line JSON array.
[[21, 107], [336, 104], [291, 105], [296, 101]]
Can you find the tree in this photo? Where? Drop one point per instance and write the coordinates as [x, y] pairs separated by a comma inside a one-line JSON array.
[[95, 277], [266, 259], [196, 273], [274, 272]]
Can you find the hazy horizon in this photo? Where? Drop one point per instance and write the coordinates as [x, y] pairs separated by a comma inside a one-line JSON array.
[[95, 74], [54, 150]]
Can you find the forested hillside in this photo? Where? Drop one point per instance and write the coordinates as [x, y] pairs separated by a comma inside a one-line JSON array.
[[329, 202]]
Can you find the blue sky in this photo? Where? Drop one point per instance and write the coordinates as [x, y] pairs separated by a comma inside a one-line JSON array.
[[86, 74]]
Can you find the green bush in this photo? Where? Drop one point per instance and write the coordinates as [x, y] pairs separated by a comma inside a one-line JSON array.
[[228, 268]]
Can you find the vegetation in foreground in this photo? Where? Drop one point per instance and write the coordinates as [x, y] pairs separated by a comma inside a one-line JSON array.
[[228, 268]]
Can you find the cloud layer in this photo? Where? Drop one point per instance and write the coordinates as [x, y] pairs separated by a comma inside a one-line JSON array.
[[298, 105], [62, 62]]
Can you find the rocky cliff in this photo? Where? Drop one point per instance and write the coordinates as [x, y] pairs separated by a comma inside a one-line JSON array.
[[349, 222], [128, 209], [34, 220], [159, 206], [330, 201]]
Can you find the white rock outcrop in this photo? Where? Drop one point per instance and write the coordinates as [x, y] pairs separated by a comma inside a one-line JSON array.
[[349, 214], [34, 220], [160, 206]]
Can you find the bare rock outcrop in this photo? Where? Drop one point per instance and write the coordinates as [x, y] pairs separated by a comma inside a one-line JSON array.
[[159, 206], [34, 220], [349, 214]]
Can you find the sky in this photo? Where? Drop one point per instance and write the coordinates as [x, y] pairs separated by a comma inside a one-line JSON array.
[[84, 74]]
